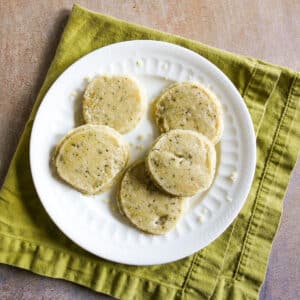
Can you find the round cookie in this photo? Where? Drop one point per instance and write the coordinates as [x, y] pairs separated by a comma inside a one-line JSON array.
[[91, 157], [182, 162], [145, 206], [188, 105], [115, 101]]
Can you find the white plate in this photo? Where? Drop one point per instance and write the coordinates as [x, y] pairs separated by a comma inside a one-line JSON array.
[[91, 221]]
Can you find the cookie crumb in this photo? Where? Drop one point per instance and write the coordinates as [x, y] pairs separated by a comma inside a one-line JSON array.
[[205, 210], [228, 198], [74, 93], [140, 137], [87, 78], [139, 63], [200, 219], [139, 147], [233, 176], [106, 200], [165, 66]]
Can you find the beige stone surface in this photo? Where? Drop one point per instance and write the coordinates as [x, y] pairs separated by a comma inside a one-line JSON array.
[[29, 33]]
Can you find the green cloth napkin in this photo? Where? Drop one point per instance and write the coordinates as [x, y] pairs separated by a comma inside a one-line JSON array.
[[234, 265]]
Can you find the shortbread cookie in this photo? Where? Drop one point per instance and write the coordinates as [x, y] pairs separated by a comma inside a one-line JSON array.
[[182, 162], [188, 105], [115, 101], [90, 157], [147, 207]]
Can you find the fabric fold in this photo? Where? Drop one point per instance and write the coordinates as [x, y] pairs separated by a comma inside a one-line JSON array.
[[257, 106]]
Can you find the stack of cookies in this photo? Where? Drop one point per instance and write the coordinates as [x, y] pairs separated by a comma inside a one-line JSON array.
[[180, 163]]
